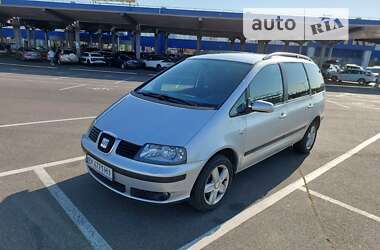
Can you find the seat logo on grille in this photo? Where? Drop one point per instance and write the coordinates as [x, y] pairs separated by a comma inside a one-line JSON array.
[[104, 143]]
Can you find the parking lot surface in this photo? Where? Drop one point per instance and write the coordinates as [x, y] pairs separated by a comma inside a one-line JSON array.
[[47, 199]]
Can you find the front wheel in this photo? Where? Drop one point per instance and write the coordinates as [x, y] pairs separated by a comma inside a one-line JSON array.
[[305, 145], [334, 78], [212, 184]]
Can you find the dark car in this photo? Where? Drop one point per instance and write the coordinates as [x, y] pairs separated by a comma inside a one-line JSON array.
[[125, 61], [108, 56]]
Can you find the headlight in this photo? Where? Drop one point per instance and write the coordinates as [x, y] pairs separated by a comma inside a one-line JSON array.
[[161, 154]]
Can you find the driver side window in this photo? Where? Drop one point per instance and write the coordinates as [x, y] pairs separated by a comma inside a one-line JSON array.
[[267, 85]]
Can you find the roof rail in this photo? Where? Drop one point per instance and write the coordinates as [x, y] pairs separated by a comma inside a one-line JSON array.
[[287, 54]]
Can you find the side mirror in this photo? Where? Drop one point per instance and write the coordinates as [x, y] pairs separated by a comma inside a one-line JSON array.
[[261, 106]]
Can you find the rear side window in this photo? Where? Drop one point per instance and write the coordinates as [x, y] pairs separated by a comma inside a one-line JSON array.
[[317, 83], [296, 79], [267, 85]]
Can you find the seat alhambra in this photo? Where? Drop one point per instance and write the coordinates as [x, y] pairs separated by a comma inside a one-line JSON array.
[[184, 134]]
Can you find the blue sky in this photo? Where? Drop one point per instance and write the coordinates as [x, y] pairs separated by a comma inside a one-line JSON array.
[[364, 8]]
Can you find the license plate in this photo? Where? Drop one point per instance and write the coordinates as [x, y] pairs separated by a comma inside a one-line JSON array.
[[99, 167]]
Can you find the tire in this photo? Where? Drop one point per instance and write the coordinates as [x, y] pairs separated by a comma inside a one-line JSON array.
[[158, 67], [88, 61], [305, 145], [123, 66], [361, 81], [199, 198], [334, 78]]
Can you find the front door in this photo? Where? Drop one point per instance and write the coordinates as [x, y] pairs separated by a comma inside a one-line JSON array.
[[264, 131]]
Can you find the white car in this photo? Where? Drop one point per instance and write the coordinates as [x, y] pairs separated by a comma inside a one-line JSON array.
[[375, 70], [68, 56], [157, 62], [354, 75], [92, 58]]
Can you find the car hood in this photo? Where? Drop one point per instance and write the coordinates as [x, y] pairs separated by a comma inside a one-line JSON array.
[[142, 121]]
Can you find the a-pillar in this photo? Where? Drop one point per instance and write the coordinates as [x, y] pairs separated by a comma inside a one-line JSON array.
[[199, 40], [242, 44], [17, 32], [366, 57], [76, 27]]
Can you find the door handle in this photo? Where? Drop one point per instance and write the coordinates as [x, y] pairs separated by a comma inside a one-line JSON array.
[[283, 115]]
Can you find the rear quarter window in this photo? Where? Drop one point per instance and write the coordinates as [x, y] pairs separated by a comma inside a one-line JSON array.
[[317, 83]]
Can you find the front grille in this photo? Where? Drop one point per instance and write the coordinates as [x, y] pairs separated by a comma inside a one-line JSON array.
[[94, 133], [127, 149]]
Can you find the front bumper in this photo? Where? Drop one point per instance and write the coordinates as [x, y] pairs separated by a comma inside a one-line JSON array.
[[144, 181]]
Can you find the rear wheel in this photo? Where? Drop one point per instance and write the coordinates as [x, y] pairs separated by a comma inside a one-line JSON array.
[[212, 184], [361, 81], [306, 144], [158, 67]]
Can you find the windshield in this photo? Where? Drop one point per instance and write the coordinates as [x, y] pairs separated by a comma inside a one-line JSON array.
[[200, 82]]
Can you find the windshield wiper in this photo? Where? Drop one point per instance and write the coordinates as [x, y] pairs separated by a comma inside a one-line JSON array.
[[167, 98]]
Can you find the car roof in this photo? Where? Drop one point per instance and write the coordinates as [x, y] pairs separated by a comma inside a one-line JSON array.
[[236, 57], [246, 57]]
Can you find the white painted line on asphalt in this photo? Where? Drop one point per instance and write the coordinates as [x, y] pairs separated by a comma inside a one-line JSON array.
[[44, 165], [87, 229], [341, 204], [104, 71], [260, 206], [73, 87], [46, 121], [338, 104], [152, 74], [29, 66]]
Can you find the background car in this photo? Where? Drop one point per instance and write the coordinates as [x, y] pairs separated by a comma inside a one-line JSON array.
[[108, 56], [157, 62], [354, 75], [29, 54], [92, 58], [375, 70], [3, 49], [68, 56]]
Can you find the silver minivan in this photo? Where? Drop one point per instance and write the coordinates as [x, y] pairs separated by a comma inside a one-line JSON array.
[[185, 133]]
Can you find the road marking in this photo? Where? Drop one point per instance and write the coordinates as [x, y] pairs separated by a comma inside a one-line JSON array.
[[152, 74], [73, 87], [338, 104], [44, 165], [26, 65], [87, 229], [104, 71], [47, 121], [260, 206], [341, 204]]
